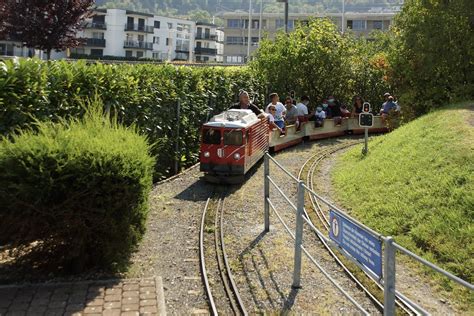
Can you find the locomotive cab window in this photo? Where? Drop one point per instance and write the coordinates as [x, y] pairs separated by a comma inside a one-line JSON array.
[[211, 136], [233, 137]]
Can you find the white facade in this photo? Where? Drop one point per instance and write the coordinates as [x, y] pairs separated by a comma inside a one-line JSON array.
[[123, 33], [209, 43]]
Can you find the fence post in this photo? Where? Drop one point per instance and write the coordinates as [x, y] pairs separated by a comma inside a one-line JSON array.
[[177, 150], [389, 278], [298, 236], [266, 191]]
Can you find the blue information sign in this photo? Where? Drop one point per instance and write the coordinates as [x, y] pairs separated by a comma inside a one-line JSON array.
[[359, 243]]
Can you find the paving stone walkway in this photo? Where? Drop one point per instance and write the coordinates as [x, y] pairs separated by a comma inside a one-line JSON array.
[[110, 297]]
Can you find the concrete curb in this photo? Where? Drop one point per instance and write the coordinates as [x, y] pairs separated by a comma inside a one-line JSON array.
[[160, 296]]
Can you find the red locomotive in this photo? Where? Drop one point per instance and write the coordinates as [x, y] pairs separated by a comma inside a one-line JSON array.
[[232, 142]]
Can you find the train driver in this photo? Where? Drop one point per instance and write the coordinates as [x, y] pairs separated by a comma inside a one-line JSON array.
[[245, 104]]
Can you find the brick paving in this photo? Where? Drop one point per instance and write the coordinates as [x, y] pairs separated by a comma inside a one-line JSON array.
[[110, 297]]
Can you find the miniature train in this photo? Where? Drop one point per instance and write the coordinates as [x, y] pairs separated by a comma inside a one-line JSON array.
[[235, 140]]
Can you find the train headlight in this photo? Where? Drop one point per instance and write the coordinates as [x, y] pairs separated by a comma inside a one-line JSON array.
[[206, 154], [236, 156]]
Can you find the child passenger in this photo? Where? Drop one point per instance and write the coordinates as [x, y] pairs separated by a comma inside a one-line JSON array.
[[320, 115], [271, 118]]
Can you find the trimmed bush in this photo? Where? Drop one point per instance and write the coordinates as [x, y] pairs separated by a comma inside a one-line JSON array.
[[77, 190], [145, 95]]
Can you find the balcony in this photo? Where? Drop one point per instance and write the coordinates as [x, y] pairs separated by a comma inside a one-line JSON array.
[[138, 28], [95, 42], [138, 44], [94, 25], [205, 51], [206, 37]]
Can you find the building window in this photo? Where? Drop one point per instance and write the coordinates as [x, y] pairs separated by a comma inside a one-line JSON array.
[[168, 41], [235, 40], [141, 38], [157, 24], [280, 23], [378, 25], [97, 52], [139, 54], [156, 40], [255, 24], [234, 59], [156, 56], [128, 53], [234, 23], [356, 24], [205, 58], [170, 25], [98, 35]]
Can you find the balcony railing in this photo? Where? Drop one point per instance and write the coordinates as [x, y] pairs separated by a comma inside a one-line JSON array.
[[94, 25], [205, 51], [96, 42], [138, 28], [137, 44], [206, 37]]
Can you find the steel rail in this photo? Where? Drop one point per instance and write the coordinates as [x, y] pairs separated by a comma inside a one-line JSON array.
[[323, 241], [203, 261], [227, 265], [230, 287], [317, 208], [220, 262]]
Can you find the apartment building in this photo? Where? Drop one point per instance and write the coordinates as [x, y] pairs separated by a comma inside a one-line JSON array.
[[125, 33], [209, 43], [236, 26]]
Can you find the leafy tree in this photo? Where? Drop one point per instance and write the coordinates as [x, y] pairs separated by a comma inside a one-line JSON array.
[[432, 59], [45, 25], [318, 61], [200, 16]]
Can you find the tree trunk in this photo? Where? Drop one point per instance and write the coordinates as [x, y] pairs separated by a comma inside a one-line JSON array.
[[48, 54]]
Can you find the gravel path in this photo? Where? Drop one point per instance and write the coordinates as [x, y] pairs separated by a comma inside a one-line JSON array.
[[262, 264]]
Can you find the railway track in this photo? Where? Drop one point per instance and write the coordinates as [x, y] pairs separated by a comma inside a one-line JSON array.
[[223, 295], [321, 221]]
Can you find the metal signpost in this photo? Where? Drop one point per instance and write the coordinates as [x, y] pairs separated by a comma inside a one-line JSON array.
[[366, 120], [362, 245]]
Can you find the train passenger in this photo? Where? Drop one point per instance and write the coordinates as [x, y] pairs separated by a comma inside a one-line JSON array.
[[291, 117], [271, 119], [335, 110], [320, 115], [357, 106], [388, 106], [302, 108], [280, 110], [245, 104], [344, 111]]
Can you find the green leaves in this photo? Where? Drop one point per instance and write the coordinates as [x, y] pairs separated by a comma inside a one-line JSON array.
[[143, 95], [433, 52], [316, 60]]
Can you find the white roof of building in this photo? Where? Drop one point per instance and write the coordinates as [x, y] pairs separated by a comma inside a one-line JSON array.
[[234, 118]]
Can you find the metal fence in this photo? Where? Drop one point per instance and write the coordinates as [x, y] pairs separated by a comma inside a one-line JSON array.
[[387, 282]]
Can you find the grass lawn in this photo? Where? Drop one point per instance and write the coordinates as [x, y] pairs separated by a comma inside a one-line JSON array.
[[416, 184]]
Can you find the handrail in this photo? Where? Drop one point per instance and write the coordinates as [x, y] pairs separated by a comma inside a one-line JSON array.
[[281, 192], [388, 280], [347, 295], [281, 220], [346, 216], [434, 267], [282, 168]]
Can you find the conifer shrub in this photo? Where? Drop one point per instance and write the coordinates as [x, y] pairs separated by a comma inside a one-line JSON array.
[[77, 190]]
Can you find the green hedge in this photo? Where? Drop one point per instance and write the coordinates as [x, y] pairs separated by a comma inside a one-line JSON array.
[[77, 189], [145, 95]]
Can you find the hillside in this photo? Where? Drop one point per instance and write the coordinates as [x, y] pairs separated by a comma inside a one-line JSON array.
[[417, 184], [213, 7]]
